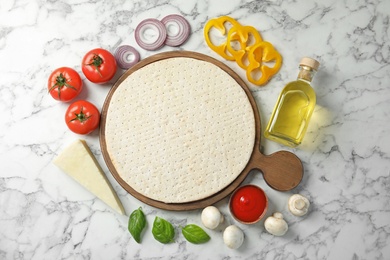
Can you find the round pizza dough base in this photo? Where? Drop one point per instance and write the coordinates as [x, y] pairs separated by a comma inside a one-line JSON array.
[[179, 130]]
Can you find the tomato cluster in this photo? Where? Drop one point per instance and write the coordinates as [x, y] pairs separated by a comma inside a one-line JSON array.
[[64, 84]]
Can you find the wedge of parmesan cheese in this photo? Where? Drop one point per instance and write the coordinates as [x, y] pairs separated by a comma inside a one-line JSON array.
[[78, 161]]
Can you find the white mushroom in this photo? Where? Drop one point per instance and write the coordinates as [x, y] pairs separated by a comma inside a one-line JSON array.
[[298, 205], [211, 217], [233, 237], [276, 225]]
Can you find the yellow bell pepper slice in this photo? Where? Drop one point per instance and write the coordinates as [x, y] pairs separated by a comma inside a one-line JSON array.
[[259, 54], [245, 45], [246, 36], [219, 24]]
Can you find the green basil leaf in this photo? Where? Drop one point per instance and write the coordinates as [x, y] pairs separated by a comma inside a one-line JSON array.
[[137, 223], [163, 231], [195, 234]]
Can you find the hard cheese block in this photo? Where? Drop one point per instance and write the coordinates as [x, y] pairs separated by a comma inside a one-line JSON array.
[[78, 161]]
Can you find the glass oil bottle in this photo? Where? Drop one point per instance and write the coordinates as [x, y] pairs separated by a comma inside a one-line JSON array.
[[295, 105]]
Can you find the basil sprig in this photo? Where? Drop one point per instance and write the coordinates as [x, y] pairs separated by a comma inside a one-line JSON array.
[[195, 234], [137, 223], [163, 231]]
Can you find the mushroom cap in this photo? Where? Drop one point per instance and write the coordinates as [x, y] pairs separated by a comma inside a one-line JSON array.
[[233, 237], [276, 225], [211, 217]]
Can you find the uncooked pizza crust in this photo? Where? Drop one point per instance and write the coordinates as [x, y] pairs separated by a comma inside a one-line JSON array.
[[179, 130]]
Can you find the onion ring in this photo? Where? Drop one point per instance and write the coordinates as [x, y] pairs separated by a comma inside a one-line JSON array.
[[154, 25], [181, 24], [122, 53]]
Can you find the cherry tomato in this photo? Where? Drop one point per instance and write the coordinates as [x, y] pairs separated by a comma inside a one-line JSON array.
[[82, 117], [64, 84], [99, 65]]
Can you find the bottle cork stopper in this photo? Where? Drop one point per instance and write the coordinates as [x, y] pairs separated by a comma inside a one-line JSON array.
[[309, 62]]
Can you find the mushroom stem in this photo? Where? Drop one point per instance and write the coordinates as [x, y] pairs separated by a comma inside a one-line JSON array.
[[299, 204]]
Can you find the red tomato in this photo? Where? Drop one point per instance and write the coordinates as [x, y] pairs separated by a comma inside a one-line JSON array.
[[64, 84], [99, 66], [82, 117]]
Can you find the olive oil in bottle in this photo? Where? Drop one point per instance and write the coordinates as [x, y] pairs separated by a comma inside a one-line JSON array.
[[295, 105]]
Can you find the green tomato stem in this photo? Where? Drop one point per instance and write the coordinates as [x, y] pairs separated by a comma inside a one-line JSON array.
[[80, 117], [96, 62], [60, 83]]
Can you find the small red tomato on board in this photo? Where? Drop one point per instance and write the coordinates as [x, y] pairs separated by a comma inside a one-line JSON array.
[[64, 84], [99, 66], [82, 117]]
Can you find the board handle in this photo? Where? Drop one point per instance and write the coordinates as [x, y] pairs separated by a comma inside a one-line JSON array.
[[282, 170]]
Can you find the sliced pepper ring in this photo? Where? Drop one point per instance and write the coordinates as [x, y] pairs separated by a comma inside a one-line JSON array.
[[257, 56], [242, 34], [219, 24]]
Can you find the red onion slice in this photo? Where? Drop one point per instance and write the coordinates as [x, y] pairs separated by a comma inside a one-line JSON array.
[[183, 29], [154, 25], [126, 56]]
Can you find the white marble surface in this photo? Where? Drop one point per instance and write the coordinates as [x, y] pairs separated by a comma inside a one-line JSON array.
[[346, 154]]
